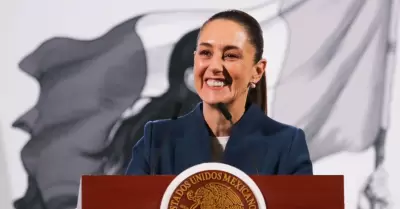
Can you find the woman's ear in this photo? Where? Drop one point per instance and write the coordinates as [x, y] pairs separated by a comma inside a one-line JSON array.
[[258, 70]]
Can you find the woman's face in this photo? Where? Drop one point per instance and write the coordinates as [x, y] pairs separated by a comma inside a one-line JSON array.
[[224, 63]]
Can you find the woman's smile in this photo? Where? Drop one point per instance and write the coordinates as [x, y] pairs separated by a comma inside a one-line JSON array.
[[216, 84]]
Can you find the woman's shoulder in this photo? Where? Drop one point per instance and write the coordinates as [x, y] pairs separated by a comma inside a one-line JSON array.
[[292, 144], [275, 125], [267, 125], [169, 126], [284, 126], [280, 131]]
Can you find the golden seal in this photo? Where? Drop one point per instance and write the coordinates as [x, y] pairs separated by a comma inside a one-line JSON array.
[[213, 189]]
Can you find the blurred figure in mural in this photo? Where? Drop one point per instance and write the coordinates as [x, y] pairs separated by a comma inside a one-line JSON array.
[[96, 95]]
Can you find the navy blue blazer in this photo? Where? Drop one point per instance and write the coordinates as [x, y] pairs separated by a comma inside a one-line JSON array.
[[257, 145]]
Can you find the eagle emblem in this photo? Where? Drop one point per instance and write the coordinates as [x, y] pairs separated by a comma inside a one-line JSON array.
[[215, 195], [213, 186]]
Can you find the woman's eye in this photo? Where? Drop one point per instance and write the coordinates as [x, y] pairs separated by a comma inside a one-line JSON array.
[[231, 56], [205, 53]]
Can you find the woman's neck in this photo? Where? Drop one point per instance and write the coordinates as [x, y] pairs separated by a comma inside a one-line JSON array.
[[216, 121]]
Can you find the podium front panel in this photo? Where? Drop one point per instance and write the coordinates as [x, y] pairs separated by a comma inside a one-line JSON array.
[[146, 192]]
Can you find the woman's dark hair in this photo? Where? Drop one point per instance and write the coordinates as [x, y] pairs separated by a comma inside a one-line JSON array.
[[257, 95]]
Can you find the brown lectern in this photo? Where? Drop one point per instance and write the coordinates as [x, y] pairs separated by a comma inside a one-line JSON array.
[[146, 192]]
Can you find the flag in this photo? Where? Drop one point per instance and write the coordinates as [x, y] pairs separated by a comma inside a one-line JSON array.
[[333, 83], [95, 99], [85, 86]]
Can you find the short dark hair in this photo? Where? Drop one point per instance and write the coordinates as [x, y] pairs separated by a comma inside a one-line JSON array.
[[258, 95]]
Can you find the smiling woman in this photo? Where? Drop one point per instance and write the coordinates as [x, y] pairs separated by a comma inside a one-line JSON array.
[[230, 125], [228, 63]]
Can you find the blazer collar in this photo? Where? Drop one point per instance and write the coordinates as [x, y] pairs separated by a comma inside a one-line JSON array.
[[198, 132], [194, 147], [196, 140], [246, 125]]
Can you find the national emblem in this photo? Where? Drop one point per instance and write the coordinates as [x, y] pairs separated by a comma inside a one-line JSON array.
[[213, 186], [215, 195]]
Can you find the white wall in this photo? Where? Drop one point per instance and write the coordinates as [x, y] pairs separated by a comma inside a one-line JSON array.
[[5, 194]]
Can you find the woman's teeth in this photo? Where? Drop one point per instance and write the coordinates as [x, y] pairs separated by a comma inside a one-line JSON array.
[[215, 83]]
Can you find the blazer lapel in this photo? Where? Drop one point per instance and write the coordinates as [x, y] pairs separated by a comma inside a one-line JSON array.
[[246, 149], [195, 145]]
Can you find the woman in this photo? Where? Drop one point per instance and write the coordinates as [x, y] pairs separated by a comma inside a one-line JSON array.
[[229, 73]]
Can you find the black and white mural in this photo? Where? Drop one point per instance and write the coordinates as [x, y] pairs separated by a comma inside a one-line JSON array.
[[82, 79]]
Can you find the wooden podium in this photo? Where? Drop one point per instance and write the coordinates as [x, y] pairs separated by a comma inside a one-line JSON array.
[[146, 192]]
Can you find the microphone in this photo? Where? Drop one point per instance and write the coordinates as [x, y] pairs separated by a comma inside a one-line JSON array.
[[221, 106], [225, 112], [178, 104]]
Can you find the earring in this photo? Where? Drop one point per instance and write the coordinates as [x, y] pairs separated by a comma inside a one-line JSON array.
[[252, 85]]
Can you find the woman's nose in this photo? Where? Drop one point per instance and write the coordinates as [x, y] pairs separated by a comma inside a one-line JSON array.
[[216, 65]]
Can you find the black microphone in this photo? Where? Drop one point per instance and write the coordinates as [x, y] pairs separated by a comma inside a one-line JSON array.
[[178, 104], [224, 110]]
